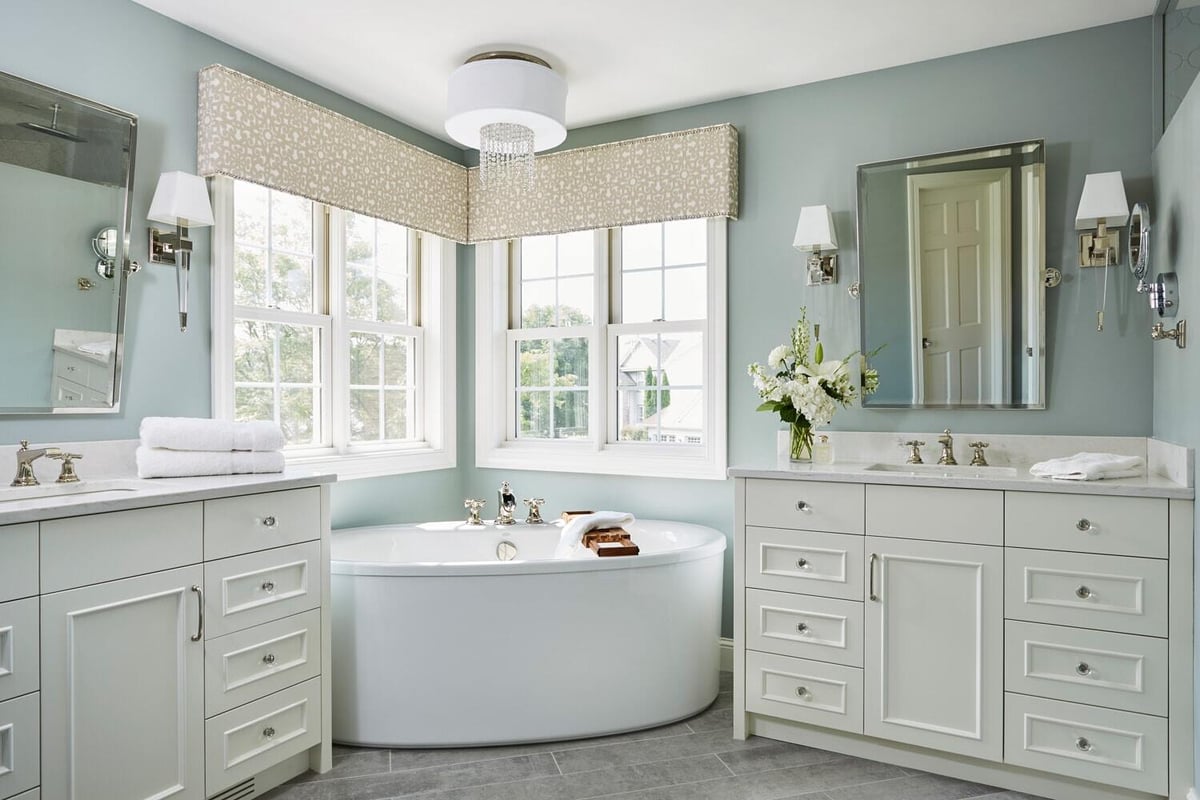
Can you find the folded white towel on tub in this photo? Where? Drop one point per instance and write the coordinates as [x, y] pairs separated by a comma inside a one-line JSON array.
[[1090, 467], [155, 462], [573, 531], [190, 433]]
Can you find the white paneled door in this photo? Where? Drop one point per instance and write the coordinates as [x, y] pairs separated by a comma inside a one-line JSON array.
[[123, 690], [934, 656]]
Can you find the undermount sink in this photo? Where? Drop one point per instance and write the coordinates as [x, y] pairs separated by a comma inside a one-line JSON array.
[[96, 490], [945, 470]]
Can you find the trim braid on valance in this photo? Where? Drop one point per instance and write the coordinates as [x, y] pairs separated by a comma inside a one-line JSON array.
[[252, 131]]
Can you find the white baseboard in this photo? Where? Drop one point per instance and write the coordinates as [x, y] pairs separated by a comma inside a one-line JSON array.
[[726, 647]]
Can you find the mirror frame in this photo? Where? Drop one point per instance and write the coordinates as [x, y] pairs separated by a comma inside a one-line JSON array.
[[863, 286], [127, 266]]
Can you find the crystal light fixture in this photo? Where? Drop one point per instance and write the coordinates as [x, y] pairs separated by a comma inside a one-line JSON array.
[[508, 105]]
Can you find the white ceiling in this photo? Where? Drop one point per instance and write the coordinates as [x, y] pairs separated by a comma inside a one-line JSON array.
[[621, 58]]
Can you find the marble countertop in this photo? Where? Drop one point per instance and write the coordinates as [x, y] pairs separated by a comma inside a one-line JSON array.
[[1010, 478], [69, 341], [121, 494]]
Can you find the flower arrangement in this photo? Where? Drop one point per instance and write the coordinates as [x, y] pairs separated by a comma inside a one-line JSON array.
[[805, 389]]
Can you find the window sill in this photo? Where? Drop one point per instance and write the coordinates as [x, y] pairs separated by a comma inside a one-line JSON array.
[[585, 460], [351, 466]]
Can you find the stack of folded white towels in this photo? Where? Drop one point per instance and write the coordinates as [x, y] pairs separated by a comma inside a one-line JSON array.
[[1090, 467], [180, 447]]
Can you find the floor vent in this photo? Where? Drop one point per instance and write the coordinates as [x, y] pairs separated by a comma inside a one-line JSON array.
[[241, 791]]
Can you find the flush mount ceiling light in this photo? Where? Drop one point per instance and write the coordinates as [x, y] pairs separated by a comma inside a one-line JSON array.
[[508, 106]]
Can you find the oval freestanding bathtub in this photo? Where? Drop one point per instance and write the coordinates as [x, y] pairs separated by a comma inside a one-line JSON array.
[[438, 643]]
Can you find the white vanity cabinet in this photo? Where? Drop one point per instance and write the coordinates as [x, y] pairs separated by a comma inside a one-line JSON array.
[[128, 682], [1026, 639]]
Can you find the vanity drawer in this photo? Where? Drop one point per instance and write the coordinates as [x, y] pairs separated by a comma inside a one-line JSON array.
[[1111, 670], [249, 590], [972, 516], [18, 561], [20, 651], [1096, 744], [20, 743], [803, 626], [830, 695], [825, 564], [249, 664], [104, 547], [1122, 526], [237, 525], [805, 505], [245, 741], [1112, 593]]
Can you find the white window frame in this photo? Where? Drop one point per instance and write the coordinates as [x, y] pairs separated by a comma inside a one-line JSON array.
[[495, 416], [435, 352]]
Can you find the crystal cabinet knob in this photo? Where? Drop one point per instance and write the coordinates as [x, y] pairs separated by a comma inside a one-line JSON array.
[[1084, 525], [269, 659], [1083, 668], [269, 522], [801, 563], [1083, 593], [802, 691], [1083, 744], [802, 627], [268, 731], [803, 507], [268, 586]]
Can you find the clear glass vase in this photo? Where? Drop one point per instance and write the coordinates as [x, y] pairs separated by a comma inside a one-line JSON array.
[[801, 442]]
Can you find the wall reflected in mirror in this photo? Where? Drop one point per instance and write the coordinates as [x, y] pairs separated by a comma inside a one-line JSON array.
[[952, 260], [66, 166]]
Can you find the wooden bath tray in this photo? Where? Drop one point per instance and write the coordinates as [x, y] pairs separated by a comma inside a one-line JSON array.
[[610, 542]]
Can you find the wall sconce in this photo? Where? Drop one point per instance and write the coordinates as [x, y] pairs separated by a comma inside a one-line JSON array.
[[815, 234], [181, 200], [1102, 204]]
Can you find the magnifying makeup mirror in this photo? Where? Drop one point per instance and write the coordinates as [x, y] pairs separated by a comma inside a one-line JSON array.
[[1139, 244], [104, 245]]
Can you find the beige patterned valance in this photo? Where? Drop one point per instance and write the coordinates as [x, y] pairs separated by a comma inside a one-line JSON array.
[[681, 175], [250, 130]]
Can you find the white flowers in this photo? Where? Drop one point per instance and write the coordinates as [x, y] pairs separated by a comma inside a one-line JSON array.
[[779, 355]]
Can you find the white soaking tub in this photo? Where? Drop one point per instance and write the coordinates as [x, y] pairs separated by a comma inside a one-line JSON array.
[[438, 643]]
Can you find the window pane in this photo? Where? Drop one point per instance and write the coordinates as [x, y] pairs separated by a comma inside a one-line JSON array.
[[537, 257], [364, 359], [659, 380], [251, 404], [533, 363], [396, 362], [297, 417], [396, 414], [291, 282], [253, 353], [641, 246], [286, 358], [641, 296], [298, 356], [359, 292], [686, 294], [533, 415], [575, 253], [682, 359], [392, 297], [570, 415], [631, 415], [570, 362], [685, 242], [576, 297], [291, 223], [360, 239], [249, 276], [393, 247], [537, 304], [250, 213], [679, 418], [364, 415]]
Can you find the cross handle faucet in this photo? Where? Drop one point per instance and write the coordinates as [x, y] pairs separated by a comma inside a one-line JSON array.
[[25, 459], [947, 443]]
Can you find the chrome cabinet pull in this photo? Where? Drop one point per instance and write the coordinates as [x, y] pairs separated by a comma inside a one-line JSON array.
[[269, 659], [268, 586], [1083, 744], [269, 522], [1084, 668], [1084, 525], [802, 627], [1083, 593], [200, 605], [268, 731], [871, 575], [803, 507], [801, 563]]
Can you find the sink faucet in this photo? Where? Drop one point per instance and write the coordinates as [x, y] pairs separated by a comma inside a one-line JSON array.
[[947, 443], [534, 504], [25, 459], [508, 506]]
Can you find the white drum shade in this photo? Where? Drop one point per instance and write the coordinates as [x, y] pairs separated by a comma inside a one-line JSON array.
[[507, 90]]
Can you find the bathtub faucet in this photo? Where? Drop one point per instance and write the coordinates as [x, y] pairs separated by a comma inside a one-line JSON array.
[[534, 504], [508, 506], [473, 507]]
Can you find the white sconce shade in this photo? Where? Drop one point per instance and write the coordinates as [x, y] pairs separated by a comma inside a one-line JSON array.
[[1103, 201], [181, 199], [815, 231]]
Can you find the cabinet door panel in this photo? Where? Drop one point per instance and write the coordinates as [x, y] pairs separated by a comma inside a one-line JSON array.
[[123, 690], [934, 646]]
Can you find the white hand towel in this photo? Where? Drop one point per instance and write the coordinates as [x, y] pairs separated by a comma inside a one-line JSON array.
[[573, 531], [153, 462], [1090, 467], [189, 433]]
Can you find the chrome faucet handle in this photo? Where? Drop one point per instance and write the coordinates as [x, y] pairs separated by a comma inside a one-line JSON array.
[[978, 459], [534, 504], [914, 454], [66, 473], [25, 459], [947, 443], [474, 505]]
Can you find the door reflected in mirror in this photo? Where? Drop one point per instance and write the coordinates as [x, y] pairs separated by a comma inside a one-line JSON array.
[[952, 255]]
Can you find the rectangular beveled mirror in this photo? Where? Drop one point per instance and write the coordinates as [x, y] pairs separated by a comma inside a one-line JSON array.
[[66, 175], [952, 259]]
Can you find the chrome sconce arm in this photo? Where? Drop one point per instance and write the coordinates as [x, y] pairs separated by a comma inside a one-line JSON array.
[[181, 200]]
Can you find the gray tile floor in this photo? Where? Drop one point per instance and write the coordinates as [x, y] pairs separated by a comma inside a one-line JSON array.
[[693, 760]]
